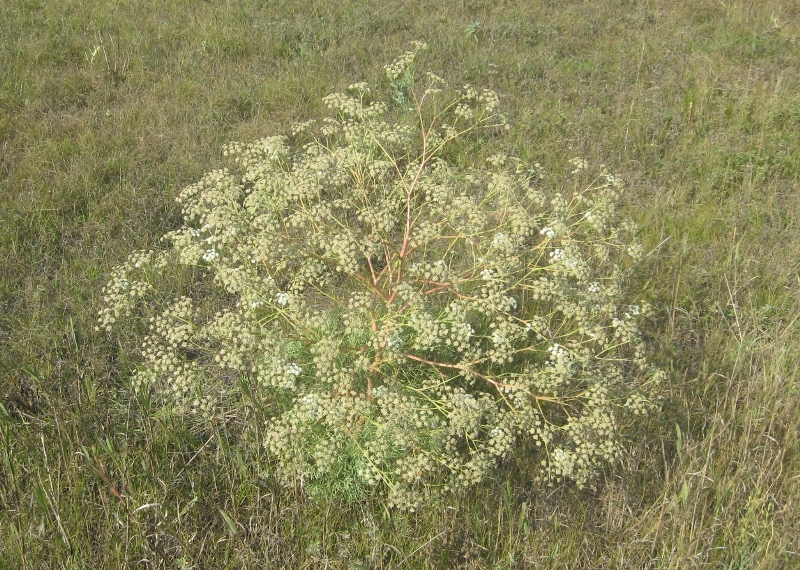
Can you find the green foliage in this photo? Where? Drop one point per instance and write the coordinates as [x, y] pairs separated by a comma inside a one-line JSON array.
[[407, 322]]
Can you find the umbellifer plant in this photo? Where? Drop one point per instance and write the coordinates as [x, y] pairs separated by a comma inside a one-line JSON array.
[[406, 321]]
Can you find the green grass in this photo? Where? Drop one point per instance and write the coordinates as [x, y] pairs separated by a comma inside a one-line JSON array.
[[108, 109]]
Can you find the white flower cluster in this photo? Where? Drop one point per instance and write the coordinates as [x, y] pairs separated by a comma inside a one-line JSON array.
[[403, 320], [128, 286], [399, 66]]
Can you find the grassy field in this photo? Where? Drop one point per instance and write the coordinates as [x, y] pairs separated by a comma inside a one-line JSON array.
[[108, 109]]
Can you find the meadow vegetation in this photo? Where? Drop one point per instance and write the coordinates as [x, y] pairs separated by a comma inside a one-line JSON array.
[[108, 111]]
